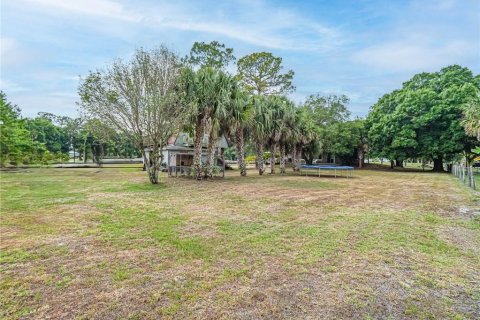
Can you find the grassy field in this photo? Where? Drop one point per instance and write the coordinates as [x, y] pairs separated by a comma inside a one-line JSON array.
[[104, 244]]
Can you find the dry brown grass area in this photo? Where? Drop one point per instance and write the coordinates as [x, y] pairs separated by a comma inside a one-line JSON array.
[[104, 244]]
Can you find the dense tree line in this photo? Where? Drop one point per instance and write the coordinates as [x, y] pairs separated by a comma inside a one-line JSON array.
[[157, 94], [140, 103], [424, 118], [49, 138]]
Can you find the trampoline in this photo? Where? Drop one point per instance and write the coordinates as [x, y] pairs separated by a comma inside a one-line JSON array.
[[337, 170]]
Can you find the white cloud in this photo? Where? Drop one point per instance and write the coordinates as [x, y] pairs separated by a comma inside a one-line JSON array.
[[412, 56], [265, 38], [258, 24], [10, 86], [11, 53], [32, 102], [364, 49], [101, 8], [8, 45]]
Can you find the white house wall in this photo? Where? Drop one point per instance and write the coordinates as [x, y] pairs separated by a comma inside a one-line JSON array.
[[170, 156], [165, 157]]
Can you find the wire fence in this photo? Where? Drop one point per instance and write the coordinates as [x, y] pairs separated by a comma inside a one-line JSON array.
[[466, 174]]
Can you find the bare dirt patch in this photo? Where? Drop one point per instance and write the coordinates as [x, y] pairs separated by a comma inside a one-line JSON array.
[[465, 239]]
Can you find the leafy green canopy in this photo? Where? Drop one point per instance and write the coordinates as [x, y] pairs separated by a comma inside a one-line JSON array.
[[209, 91], [15, 141], [423, 119], [260, 73], [471, 116], [213, 55], [25, 141], [327, 110], [345, 140], [335, 134], [43, 130]]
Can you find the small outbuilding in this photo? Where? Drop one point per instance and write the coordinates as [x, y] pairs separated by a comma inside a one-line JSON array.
[[178, 153]]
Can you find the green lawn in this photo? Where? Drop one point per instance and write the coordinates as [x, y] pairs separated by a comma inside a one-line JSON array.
[[103, 243]]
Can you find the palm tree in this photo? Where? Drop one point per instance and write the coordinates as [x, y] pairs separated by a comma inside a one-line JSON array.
[[302, 133], [471, 117], [280, 109], [260, 128], [286, 133], [239, 120], [209, 91], [213, 129], [219, 118]]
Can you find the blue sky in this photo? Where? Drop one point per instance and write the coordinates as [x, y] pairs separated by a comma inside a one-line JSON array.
[[361, 48]]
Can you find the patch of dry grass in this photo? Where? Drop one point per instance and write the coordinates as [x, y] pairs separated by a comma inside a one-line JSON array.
[[103, 243]]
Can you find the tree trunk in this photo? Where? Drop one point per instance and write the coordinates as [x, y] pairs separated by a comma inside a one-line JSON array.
[[152, 171], [272, 158], [197, 148], [399, 163], [212, 143], [153, 165], [298, 157], [392, 164], [294, 157], [97, 153], [259, 158], [222, 154], [240, 144], [282, 158], [438, 165], [360, 158], [85, 150], [145, 160]]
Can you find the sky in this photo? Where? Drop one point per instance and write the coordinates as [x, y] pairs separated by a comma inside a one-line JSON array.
[[360, 48]]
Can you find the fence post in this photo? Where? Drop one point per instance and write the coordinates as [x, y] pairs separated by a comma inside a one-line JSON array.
[[472, 178], [465, 173], [468, 177]]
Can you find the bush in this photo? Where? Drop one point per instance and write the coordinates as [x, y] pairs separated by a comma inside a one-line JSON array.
[[250, 159], [216, 170]]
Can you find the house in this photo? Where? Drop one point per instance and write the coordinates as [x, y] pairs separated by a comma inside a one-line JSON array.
[[326, 158], [178, 153], [73, 154]]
